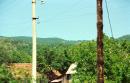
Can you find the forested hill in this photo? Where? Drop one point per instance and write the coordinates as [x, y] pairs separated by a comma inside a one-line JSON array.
[[125, 37], [53, 40], [40, 40], [61, 56]]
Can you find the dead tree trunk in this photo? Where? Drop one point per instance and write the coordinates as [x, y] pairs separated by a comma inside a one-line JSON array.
[[100, 59]]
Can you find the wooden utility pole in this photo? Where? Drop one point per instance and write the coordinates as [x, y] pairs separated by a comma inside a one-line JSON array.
[[34, 58], [100, 59]]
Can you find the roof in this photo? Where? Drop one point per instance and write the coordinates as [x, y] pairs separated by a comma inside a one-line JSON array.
[[72, 69], [53, 74], [56, 72], [57, 80]]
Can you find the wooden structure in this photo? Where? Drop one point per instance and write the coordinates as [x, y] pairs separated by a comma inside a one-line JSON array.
[[100, 59], [67, 77]]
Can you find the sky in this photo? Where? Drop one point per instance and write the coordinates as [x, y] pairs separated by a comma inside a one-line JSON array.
[[67, 19]]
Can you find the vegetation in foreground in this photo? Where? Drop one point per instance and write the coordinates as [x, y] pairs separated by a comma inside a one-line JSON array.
[[59, 56]]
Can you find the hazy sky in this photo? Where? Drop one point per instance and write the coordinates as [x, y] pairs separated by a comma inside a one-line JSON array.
[[67, 19]]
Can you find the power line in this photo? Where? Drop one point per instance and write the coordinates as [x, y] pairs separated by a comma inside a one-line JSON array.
[[66, 11], [108, 14]]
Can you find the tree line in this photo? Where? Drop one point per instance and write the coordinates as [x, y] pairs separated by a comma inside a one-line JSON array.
[[60, 56]]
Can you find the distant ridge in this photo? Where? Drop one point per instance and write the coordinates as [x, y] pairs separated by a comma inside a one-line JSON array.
[[125, 37], [52, 40]]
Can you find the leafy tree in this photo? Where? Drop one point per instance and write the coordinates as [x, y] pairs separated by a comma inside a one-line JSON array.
[[20, 57], [5, 51], [5, 74]]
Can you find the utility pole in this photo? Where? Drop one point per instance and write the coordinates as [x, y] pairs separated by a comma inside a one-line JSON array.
[[100, 59], [34, 52]]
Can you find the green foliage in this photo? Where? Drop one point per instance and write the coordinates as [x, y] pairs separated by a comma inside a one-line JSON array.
[[60, 54], [5, 51], [14, 51], [53, 57], [86, 61], [5, 74], [117, 62], [20, 57]]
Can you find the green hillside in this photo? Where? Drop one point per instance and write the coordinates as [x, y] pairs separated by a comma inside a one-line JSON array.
[[53, 40], [125, 37], [61, 55], [40, 40]]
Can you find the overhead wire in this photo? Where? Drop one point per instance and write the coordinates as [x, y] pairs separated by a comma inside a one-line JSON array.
[[108, 14], [64, 12], [68, 14]]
